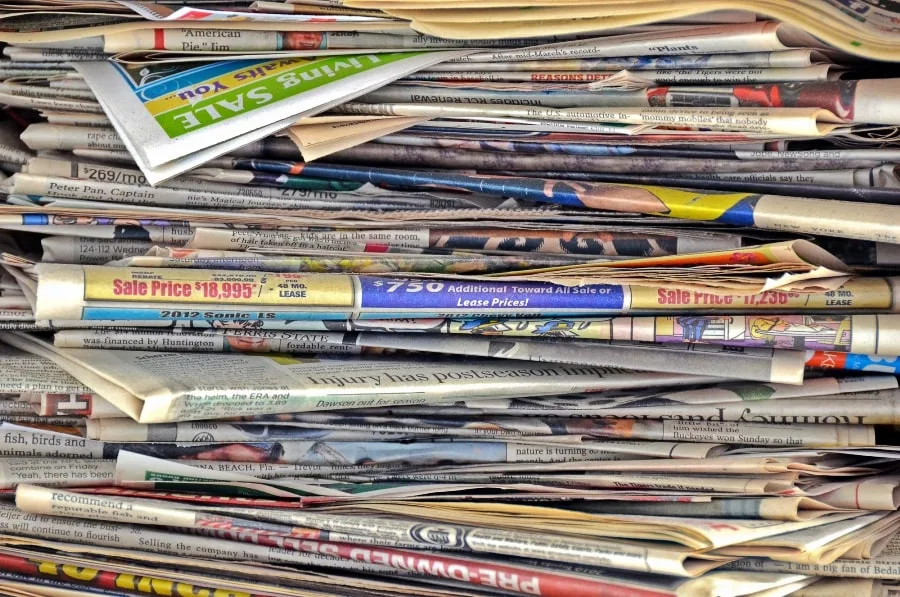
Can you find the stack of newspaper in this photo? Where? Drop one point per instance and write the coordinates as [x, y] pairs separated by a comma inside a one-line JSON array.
[[397, 297]]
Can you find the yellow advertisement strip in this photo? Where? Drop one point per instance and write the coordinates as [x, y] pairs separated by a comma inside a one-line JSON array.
[[693, 205], [237, 78], [856, 294], [161, 285]]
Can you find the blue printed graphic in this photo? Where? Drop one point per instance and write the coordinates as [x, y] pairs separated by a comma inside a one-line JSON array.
[[869, 362], [481, 296], [151, 314]]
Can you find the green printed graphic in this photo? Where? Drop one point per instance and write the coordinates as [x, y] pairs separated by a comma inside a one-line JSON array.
[[269, 90]]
